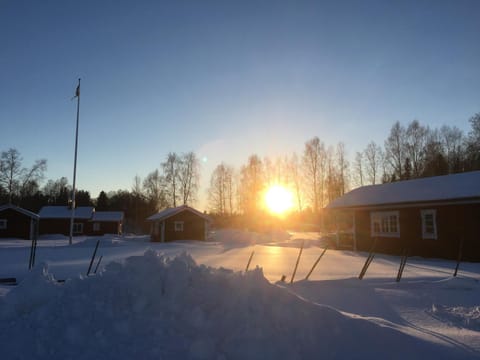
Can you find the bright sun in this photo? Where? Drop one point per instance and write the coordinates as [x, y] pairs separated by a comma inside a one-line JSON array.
[[278, 199]]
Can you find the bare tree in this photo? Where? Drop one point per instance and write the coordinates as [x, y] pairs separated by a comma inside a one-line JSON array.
[[251, 185], [296, 179], [57, 191], [221, 191], [171, 171], [154, 187], [189, 177], [335, 181], [342, 167], [395, 151], [10, 171], [452, 142], [314, 160], [358, 168], [473, 143], [16, 179], [137, 190], [415, 142], [373, 155]]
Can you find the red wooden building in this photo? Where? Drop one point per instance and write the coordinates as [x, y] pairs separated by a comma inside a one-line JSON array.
[[179, 223], [106, 222], [431, 217], [16, 222], [56, 220]]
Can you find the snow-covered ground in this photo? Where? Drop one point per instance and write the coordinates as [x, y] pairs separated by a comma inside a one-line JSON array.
[[193, 300]]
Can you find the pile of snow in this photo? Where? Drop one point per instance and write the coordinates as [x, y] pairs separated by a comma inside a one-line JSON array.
[[156, 307]]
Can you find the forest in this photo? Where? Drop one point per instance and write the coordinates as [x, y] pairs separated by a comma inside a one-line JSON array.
[[321, 173]]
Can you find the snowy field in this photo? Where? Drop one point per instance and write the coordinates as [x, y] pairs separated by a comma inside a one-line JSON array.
[[193, 300]]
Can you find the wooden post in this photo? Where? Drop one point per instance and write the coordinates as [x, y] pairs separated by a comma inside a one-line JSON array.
[[98, 264], [249, 260], [370, 257], [93, 257], [403, 262], [298, 260], [30, 265], [459, 257], [316, 262]]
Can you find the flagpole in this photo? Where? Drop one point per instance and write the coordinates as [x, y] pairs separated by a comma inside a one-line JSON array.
[[77, 95]]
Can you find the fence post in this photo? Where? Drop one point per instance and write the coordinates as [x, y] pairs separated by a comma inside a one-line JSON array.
[[296, 264]]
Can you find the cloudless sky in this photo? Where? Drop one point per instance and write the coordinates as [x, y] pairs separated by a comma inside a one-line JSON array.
[[226, 79]]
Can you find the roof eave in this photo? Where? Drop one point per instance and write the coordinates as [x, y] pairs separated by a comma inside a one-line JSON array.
[[407, 204]]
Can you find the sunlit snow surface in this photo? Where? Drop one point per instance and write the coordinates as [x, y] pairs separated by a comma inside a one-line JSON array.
[[193, 300]]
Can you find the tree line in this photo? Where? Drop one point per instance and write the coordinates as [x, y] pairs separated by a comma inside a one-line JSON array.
[[174, 183], [322, 172], [315, 177]]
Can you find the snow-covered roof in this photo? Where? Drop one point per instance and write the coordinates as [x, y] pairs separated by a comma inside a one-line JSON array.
[[20, 210], [454, 187], [64, 212], [169, 212], [101, 216]]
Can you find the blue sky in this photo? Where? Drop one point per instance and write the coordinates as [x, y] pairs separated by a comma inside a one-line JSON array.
[[226, 79]]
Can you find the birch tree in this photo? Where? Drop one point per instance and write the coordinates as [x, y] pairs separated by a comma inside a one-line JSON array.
[[189, 177], [171, 172], [16, 179], [314, 161], [373, 155]]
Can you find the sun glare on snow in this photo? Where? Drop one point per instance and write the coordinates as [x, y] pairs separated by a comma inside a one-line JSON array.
[[278, 199]]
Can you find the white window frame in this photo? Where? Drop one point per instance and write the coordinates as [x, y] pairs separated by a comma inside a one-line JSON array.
[[425, 234], [78, 228], [385, 223], [178, 226], [3, 224], [96, 226]]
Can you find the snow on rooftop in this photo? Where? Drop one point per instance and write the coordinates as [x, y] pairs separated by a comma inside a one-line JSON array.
[[107, 216], [20, 210], [439, 188], [169, 212], [64, 212]]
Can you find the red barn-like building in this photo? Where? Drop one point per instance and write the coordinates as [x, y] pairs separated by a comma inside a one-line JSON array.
[[106, 222], [431, 217], [56, 220], [179, 223], [16, 222]]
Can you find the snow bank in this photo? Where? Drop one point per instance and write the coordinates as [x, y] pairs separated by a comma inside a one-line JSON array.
[[156, 307]]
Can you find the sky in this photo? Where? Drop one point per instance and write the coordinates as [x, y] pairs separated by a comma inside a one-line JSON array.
[[225, 79]]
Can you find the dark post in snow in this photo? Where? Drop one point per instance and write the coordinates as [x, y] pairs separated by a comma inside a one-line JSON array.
[[77, 95], [249, 260], [296, 264], [93, 258], [459, 257], [316, 262]]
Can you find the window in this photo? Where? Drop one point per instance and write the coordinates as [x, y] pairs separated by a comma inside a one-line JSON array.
[[429, 224], [78, 228], [96, 226], [3, 224], [178, 225], [385, 223]]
